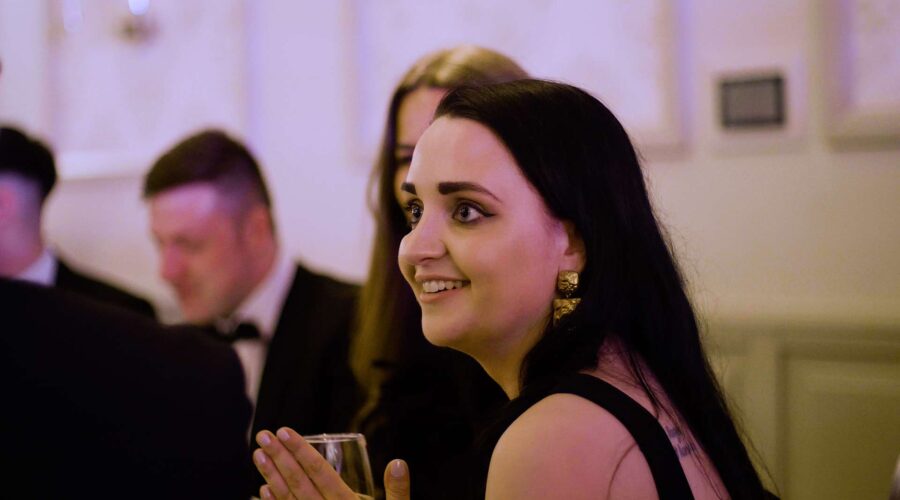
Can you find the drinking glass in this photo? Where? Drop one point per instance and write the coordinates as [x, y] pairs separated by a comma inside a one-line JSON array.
[[347, 454]]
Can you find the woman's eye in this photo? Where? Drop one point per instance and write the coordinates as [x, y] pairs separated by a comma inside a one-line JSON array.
[[413, 213], [467, 213]]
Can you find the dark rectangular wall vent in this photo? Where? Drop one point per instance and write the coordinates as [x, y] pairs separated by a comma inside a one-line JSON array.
[[752, 102]]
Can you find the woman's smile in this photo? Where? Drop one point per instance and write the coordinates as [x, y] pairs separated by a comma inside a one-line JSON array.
[[431, 289], [437, 286]]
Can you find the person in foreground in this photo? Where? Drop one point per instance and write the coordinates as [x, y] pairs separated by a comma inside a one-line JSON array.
[[534, 249], [424, 403], [97, 400]]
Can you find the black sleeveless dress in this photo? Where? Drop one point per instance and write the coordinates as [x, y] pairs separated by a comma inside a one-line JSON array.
[[668, 476]]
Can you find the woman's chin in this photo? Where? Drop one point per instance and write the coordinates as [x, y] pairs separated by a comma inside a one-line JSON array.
[[438, 339], [442, 335]]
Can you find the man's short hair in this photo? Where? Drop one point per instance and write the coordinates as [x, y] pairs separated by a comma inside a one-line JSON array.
[[28, 158], [209, 156]]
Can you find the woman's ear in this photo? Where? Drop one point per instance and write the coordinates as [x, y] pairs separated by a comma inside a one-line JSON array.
[[573, 257]]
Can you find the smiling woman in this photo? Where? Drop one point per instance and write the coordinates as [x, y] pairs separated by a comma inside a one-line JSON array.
[[477, 221], [513, 190]]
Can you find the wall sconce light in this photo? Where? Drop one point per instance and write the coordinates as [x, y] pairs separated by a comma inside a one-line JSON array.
[[139, 26]]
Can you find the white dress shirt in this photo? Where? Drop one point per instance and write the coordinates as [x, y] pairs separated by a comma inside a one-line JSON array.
[[262, 308]]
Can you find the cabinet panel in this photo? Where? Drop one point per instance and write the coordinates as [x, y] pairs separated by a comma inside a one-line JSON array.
[[842, 432]]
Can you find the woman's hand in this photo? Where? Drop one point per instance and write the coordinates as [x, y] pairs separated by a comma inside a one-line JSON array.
[[295, 470]]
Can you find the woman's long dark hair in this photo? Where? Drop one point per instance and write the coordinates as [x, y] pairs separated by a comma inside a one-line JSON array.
[[578, 156]]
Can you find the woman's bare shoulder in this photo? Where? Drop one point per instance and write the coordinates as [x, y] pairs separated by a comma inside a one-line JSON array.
[[562, 447]]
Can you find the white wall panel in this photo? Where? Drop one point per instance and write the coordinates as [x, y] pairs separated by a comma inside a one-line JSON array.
[[124, 87], [819, 403], [843, 428], [861, 69], [626, 53]]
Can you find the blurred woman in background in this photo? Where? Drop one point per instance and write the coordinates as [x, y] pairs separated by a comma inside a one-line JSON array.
[[423, 403]]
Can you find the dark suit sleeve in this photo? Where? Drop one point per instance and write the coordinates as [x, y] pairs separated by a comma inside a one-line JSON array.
[[104, 403]]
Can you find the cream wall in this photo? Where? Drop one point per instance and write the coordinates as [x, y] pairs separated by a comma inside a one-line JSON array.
[[787, 227], [780, 225], [301, 97], [790, 243]]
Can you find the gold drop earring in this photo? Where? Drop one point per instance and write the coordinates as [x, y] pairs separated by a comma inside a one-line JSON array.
[[566, 285]]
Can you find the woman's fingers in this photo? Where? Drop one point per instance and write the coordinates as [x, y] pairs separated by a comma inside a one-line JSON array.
[[276, 486], [396, 480], [285, 477], [327, 481]]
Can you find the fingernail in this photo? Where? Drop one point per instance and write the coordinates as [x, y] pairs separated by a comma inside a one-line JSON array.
[[398, 468], [259, 456], [265, 492], [264, 439], [283, 434]]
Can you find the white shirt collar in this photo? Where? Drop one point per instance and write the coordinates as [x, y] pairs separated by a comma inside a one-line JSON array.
[[42, 271], [263, 306]]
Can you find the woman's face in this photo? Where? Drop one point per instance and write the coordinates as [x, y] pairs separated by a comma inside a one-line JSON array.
[[413, 117], [483, 253]]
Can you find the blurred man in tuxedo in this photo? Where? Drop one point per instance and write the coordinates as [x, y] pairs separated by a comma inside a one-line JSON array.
[[211, 218], [100, 402], [27, 175]]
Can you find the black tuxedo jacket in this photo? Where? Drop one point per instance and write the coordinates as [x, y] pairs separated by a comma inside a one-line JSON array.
[[67, 279], [99, 402], [307, 383]]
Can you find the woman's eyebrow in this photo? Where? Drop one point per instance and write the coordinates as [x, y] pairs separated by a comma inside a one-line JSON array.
[[455, 187], [408, 187]]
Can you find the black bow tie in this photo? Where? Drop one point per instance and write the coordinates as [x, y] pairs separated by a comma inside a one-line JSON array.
[[242, 331]]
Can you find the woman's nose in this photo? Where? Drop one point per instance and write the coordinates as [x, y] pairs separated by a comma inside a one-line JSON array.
[[424, 242]]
